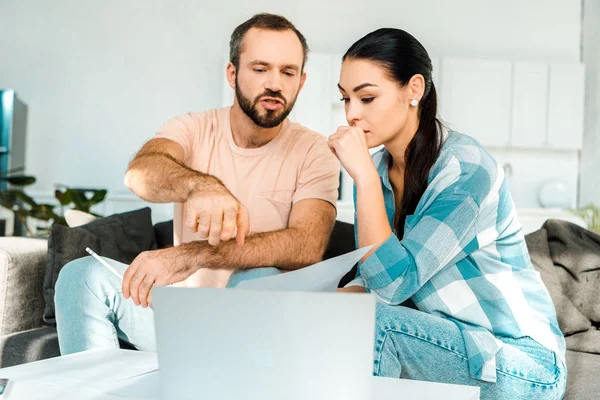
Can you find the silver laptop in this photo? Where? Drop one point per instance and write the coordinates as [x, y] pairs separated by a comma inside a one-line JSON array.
[[245, 344]]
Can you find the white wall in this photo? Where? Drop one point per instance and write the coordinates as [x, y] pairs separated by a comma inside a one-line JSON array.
[[531, 29], [590, 156], [534, 30], [100, 77]]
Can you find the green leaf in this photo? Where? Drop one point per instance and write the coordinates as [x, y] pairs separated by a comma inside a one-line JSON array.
[[64, 198], [81, 202], [21, 213], [43, 212], [591, 215], [19, 180], [39, 214], [6, 203], [98, 196], [22, 196]]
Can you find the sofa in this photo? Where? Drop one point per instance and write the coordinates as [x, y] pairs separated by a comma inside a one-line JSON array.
[[25, 338]]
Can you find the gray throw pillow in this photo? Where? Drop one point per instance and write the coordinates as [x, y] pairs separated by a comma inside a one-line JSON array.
[[570, 319], [121, 237]]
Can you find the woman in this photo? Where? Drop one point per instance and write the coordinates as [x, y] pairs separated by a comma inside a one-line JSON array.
[[438, 211]]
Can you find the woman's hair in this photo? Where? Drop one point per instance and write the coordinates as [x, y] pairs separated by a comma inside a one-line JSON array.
[[402, 57]]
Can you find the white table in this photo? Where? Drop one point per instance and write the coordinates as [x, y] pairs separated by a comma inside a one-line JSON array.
[[133, 375]]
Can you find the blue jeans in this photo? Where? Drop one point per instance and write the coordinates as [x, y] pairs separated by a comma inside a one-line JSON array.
[[91, 311], [416, 345]]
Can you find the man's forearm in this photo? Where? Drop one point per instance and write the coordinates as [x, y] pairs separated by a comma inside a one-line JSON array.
[[287, 249], [159, 178]]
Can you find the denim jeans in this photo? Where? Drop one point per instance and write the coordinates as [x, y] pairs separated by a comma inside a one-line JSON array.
[[91, 311], [416, 345]]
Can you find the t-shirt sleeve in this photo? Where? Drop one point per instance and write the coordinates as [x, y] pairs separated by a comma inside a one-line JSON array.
[[183, 130], [320, 175]]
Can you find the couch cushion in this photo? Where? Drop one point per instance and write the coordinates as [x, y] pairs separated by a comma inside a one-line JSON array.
[[588, 341], [341, 242], [164, 234], [28, 346], [570, 319], [575, 251], [22, 265], [582, 378], [121, 237]]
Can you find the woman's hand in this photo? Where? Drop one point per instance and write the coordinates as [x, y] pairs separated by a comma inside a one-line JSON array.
[[349, 145]]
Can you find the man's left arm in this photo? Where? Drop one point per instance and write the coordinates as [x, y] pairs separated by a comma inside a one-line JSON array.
[[303, 243]]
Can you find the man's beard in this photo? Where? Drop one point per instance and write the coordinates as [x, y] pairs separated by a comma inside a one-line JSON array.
[[271, 118]]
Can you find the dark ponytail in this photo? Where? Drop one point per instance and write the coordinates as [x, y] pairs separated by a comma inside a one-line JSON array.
[[402, 56]]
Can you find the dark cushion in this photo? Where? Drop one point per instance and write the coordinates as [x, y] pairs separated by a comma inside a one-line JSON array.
[[121, 237], [341, 242], [164, 234], [28, 346], [34, 345]]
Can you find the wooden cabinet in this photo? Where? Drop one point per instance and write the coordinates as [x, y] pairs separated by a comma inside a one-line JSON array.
[[514, 104], [475, 99], [566, 106], [529, 105]]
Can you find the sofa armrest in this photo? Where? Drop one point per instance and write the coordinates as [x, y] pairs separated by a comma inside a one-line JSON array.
[[22, 268]]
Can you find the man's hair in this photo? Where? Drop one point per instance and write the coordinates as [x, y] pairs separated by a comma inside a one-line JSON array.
[[262, 21]]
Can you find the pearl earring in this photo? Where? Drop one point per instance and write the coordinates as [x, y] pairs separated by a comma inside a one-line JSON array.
[[414, 102]]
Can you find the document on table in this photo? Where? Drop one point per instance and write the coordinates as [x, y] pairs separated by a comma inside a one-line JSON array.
[[93, 369], [320, 277], [31, 390]]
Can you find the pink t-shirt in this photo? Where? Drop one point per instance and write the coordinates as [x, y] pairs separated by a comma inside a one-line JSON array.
[[296, 165]]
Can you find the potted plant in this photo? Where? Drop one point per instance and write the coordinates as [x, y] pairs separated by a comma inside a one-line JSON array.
[[26, 208], [591, 215]]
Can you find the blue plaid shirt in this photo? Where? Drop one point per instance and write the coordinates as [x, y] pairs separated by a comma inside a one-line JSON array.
[[463, 257]]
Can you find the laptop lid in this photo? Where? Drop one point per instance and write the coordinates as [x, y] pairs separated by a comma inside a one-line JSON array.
[[245, 344]]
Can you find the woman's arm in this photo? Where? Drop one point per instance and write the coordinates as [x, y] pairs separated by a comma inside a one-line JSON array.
[[350, 147], [372, 222]]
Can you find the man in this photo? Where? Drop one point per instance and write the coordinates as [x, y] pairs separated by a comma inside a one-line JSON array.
[[245, 172]]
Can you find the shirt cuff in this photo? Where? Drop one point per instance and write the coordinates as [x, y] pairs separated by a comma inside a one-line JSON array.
[[386, 264]]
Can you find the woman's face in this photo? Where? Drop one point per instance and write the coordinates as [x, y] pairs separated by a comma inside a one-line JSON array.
[[374, 102]]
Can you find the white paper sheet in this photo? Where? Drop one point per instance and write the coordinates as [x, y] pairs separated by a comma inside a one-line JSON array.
[[31, 390], [145, 386], [92, 370], [320, 277]]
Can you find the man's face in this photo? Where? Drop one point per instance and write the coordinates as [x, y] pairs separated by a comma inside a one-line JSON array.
[[269, 76]]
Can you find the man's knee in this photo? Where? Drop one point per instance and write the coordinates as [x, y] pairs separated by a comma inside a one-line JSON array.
[[78, 275]]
